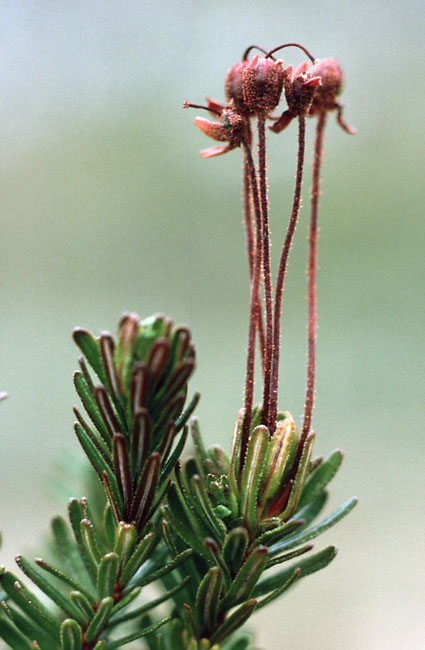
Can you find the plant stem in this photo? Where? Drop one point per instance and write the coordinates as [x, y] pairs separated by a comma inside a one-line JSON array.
[[311, 273], [282, 270], [249, 236], [266, 266], [253, 307]]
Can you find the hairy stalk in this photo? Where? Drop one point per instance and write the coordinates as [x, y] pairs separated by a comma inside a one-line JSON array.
[[311, 272], [280, 278], [265, 239], [253, 307], [249, 236]]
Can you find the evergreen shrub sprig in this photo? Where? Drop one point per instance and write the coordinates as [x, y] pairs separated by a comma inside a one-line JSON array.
[[219, 535]]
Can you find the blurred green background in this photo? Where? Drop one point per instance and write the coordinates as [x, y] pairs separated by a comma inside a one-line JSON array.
[[106, 206]]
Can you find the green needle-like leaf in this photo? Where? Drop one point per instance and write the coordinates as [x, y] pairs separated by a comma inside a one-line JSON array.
[[91, 548], [124, 601], [320, 478], [71, 636], [205, 510], [80, 600], [310, 511], [57, 596], [100, 619], [136, 635], [65, 579], [307, 566], [167, 568], [107, 574], [252, 473], [234, 547], [246, 578], [92, 408], [138, 557], [139, 611], [30, 604], [125, 541], [207, 598], [90, 347], [27, 627], [68, 550], [305, 536], [13, 637], [109, 525], [236, 620], [278, 592]]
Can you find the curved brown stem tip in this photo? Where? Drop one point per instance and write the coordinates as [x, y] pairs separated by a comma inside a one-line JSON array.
[[300, 47], [254, 47]]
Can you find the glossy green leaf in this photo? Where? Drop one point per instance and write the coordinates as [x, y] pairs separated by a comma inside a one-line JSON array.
[[107, 574], [97, 461], [305, 536], [307, 566], [234, 621], [246, 578], [100, 619], [242, 642], [70, 635], [252, 474], [52, 592], [319, 479], [136, 635]]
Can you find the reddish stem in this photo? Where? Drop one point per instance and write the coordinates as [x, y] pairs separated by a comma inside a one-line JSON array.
[[253, 307], [311, 272], [249, 236], [282, 270], [266, 266]]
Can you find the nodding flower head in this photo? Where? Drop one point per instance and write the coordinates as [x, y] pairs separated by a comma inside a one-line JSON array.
[[331, 75], [300, 90], [325, 98], [230, 129], [233, 86], [262, 83]]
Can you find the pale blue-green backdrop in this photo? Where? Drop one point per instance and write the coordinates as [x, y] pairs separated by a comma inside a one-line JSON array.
[[106, 206]]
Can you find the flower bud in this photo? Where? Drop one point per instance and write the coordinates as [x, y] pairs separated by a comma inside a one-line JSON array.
[[331, 75], [262, 82], [233, 86]]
